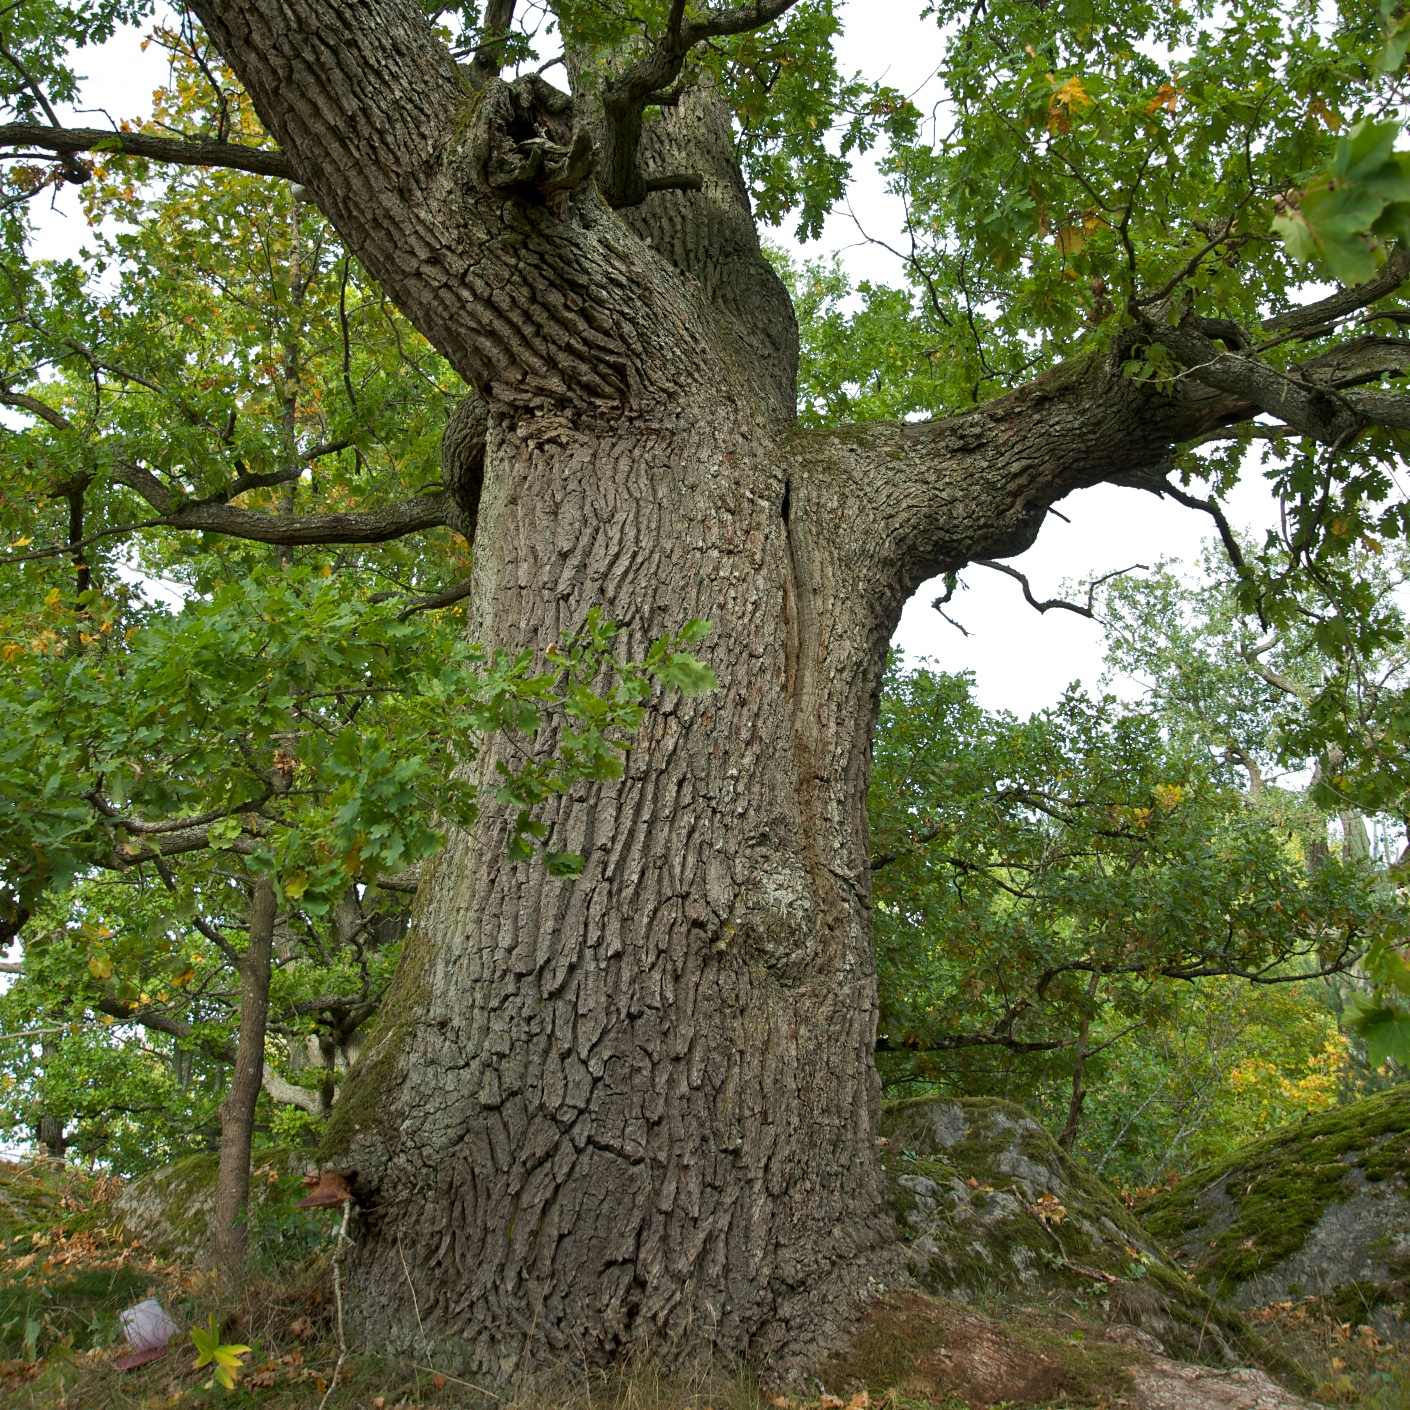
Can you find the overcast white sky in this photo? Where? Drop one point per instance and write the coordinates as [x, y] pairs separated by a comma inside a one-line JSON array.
[[1022, 661]]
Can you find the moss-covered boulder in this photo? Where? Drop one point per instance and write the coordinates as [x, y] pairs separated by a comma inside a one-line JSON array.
[[1320, 1208], [30, 1197], [170, 1210], [989, 1206]]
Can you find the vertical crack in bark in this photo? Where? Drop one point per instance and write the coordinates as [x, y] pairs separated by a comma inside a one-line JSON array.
[[792, 643]]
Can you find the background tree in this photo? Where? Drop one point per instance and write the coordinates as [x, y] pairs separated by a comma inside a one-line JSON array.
[[642, 1100], [291, 736], [1046, 888]]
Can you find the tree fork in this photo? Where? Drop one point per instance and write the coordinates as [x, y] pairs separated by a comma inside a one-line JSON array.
[[641, 1104]]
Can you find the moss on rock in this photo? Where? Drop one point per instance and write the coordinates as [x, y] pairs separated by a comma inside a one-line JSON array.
[[989, 1206], [933, 1351], [27, 1199], [170, 1210], [1319, 1208]]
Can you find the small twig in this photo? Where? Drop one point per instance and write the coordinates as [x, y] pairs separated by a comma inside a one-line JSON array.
[[469, 1385], [344, 1243], [415, 1303], [1052, 602]]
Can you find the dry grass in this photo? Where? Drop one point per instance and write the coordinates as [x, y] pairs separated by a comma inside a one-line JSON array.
[[296, 1377], [1339, 1362]]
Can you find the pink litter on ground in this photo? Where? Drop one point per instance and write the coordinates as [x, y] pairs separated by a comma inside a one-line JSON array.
[[148, 1330]]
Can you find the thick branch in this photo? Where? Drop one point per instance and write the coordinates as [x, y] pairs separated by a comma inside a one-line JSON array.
[[460, 204], [1365, 359], [1337, 306], [1326, 416], [410, 516], [213, 516], [924, 499], [67, 141], [652, 81]]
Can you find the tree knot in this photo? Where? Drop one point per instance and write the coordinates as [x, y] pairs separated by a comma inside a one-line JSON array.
[[536, 151]]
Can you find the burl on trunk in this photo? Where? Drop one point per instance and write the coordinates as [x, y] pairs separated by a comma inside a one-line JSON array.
[[642, 1103]]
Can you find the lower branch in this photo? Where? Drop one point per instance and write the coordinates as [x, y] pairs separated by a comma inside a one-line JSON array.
[[69, 141]]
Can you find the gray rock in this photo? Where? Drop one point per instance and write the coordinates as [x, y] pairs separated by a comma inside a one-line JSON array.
[[170, 1210], [989, 1206], [1317, 1209]]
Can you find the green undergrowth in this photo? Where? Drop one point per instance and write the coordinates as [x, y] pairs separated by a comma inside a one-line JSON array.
[[69, 1266], [1277, 1189]]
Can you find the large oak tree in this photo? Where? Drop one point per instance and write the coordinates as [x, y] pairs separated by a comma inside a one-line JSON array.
[[641, 1101]]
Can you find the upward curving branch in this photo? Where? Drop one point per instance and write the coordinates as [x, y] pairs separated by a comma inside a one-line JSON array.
[[489, 57], [650, 82], [473, 210]]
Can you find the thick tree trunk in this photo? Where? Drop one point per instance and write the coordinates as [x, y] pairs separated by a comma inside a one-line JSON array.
[[641, 1104], [237, 1111], [643, 1101]]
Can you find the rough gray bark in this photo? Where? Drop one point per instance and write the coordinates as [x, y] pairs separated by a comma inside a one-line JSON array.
[[642, 1103], [237, 1111]]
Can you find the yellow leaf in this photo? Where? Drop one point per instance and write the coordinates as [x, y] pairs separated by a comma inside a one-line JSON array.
[[22, 543], [296, 885], [1166, 96], [100, 966], [1320, 108], [1067, 97], [1070, 239]]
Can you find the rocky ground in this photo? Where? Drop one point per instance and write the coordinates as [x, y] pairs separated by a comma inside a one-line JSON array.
[[1319, 1209], [1277, 1283]]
